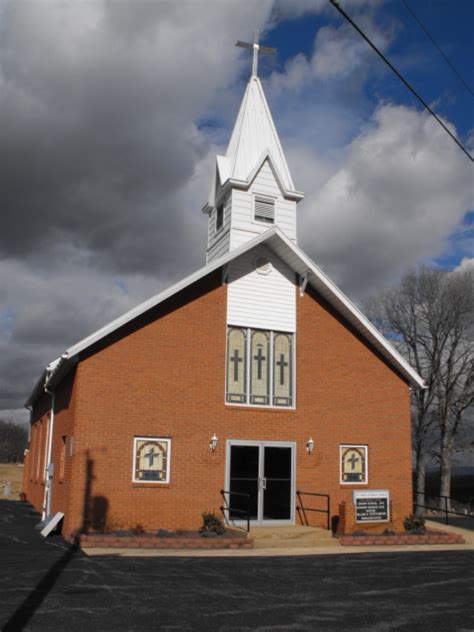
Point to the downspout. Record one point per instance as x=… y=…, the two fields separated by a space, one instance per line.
x=48 y=486
x=27 y=450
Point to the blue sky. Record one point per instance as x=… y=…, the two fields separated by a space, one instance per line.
x=411 y=52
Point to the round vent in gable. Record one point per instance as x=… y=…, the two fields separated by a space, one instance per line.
x=262 y=265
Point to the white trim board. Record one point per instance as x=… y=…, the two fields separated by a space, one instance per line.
x=52 y=524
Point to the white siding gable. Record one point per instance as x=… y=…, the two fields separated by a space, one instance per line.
x=265 y=301
x=219 y=241
x=244 y=226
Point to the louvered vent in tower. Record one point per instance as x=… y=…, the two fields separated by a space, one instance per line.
x=265 y=210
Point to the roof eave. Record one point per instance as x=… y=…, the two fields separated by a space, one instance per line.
x=343 y=305
x=37 y=391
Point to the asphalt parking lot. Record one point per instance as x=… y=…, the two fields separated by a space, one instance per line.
x=47 y=585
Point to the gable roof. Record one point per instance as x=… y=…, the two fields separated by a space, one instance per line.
x=254 y=136
x=289 y=254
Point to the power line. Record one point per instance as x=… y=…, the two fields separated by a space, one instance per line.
x=429 y=36
x=335 y=3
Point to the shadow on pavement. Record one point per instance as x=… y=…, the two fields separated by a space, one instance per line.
x=30 y=605
x=34 y=600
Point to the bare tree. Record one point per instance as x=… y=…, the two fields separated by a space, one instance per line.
x=13 y=441
x=455 y=381
x=428 y=317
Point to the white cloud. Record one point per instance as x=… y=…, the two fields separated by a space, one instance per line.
x=18 y=416
x=401 y=189
x=339 y=53
x=466 y=264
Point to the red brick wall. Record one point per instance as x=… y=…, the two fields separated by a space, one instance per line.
x=33 y=472
x=33 y=475
x=64 y=411
x=166 y=379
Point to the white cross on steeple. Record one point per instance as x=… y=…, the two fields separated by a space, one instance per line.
x=256 y=48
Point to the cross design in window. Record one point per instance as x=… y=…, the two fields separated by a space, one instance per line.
x=353 y=460
x=236 y=359
x=260 y=359
x=151 y=456
x=282 y=364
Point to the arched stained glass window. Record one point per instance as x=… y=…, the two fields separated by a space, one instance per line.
x=236 y=365
x=259 y=368
x=282 y=370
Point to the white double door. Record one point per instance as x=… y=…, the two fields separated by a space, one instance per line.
x=265 y=473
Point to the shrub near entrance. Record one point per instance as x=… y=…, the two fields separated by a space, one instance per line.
x=415 y=524
x=211 y=524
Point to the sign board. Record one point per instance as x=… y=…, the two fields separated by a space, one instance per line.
x=52 y=523
x=372 y=506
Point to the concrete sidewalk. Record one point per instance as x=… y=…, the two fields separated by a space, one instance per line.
x=322 y=549
x=467 y=534
x=108 y=552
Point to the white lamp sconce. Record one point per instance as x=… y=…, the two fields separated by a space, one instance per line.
x=310 y=445
x=213 y=443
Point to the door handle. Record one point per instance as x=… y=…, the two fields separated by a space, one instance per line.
x=263 y=483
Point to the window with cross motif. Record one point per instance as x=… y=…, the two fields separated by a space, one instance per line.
x=353 y=464
x=151 y=456
x=259 y=367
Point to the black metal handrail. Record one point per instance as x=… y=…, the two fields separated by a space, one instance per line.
x=225 y=507
x=445 y=510
x=305 y=509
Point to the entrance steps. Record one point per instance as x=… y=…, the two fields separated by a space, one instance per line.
x=291 y=536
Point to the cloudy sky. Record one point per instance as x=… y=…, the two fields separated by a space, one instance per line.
x=111 y=113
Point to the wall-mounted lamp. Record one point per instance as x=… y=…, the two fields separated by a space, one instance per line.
x=310 y=445
x=213 y=443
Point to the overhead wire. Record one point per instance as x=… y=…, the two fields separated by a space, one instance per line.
x=435 y=44
x=335 y=3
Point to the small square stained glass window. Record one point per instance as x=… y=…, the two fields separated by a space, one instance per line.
x=354 y=464
x=151 y=460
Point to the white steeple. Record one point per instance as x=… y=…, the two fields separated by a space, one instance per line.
x=252 y=187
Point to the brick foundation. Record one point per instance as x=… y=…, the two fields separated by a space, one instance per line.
x=155 y=542
x=431 y=537
x=347 y=520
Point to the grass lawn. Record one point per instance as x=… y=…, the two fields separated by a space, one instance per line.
x=14 y=473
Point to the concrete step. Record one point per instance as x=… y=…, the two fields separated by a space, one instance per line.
x=293 y=536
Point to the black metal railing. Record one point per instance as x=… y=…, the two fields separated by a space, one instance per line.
x=444 y=509
x=301 y=509
x=227 y=508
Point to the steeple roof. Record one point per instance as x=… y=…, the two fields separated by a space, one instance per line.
x=254 y=139
x=254 y=135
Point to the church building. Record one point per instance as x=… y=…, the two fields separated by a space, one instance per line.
x=252 y=385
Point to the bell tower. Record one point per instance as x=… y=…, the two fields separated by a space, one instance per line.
x=252 y=188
